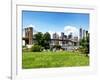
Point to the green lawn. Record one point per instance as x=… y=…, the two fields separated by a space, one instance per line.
x=53 y=59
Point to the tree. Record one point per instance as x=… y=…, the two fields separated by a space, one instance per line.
x=87 y=44
x=46 y=39
x=39 y=38
x=84 y=43
x=43 y=39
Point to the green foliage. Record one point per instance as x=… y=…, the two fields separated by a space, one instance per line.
x=84 y=43
x=53 y=59
x=23 y=46
x=46 y=39
x=46 y=36
x=25 y=49
x=43 y=39
x=36 y=48
x=57 y=46
x=39 y=38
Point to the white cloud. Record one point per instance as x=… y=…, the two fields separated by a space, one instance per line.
x=71 y=29
x=67 y=31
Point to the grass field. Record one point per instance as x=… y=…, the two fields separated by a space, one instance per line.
x=53 y=59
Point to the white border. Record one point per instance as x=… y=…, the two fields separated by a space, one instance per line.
x=18 y=73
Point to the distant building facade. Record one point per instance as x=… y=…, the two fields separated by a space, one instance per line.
x=55 y=39
x=66 y=42
x=87 y=33
x=83 y=33
x=80 y=33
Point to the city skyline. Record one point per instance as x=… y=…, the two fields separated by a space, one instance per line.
x=55 y=21
x=82 y=34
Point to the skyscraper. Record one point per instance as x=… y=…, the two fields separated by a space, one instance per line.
x=80 y=33
x=55 y=36
x=87 y=33
x=70 y=36
x=84 y=33
x=62 y=35
x=56 y=39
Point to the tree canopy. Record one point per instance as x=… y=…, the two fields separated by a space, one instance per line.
x=84 y=43
x=43 y=39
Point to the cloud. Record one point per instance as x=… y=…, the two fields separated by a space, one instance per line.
x=67 y=31
x=71 y=29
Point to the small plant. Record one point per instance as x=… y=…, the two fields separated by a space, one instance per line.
x=36 y=48
x=25 y=48
x=57 y=47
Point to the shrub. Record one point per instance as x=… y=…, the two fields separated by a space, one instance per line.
x=81 y=50
x=84 y=50
x=57 y=46
x=23 y=46
x=36 y=48
x=84 y=43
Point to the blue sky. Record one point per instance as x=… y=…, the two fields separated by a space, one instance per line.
x=54 y=21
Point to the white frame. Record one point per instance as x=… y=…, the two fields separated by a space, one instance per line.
x=71 y=73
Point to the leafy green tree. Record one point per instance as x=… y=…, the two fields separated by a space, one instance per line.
x=87 y=44
x=43 y=39
x=46 y=39
x=84 y=43
x=39 y=38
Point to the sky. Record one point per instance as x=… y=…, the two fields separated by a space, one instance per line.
x=55 y=21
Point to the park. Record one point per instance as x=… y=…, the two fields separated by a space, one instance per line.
x=55 y=39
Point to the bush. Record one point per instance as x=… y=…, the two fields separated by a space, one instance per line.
x=84 y=43
x=36 y=48
x=81 y=50
x=84 y=50
x=25 y=48
x=57 y=46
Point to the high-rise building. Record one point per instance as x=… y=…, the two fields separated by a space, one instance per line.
x=76 y=38
x=87 y=33
x=80 y=33
x=65 y=37
x=62 y=38
x=55 y=36
x=84 y=33
x=62 y=35
x=55 y=39
x=70 y=36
